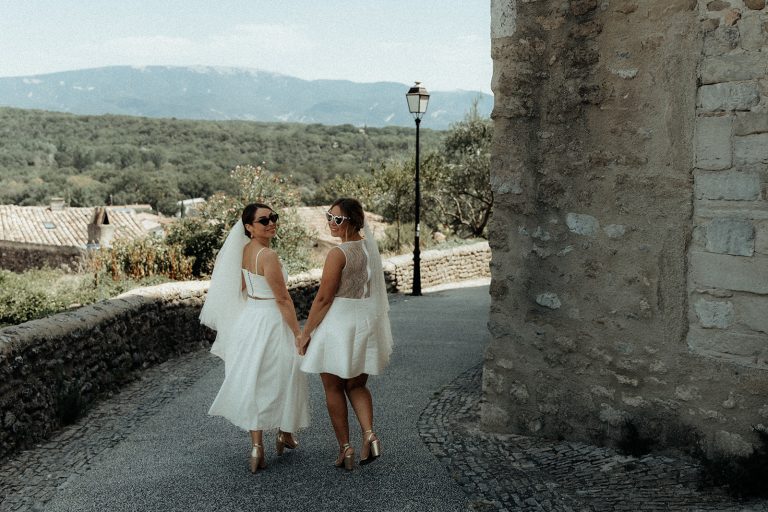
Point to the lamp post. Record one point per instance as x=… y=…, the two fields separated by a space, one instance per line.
x=417 y=98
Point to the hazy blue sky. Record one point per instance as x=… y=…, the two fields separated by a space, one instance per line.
x=443 y=43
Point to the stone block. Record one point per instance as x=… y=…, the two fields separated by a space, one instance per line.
x=615 y=230
x=729 y=272
x=582 y=224
x=731 y=236
x=549 y=300
x=509 y=184
x=611 y=416
x=751 y=149
x=728 y=96
x=712 y=143
x=730 y=68
x=749 y=123
x=503 y=18
x=729 y=186
x=728 y=443
x=755 y=5
x=761 y=237
x=721 y=40
x=714 y=314
x=493 y=417
x=753 y=34
x=752 y=312
x=743 y=349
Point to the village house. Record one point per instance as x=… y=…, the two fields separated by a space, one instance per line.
x=59 y=236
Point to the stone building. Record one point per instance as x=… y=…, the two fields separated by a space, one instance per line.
x=57 y=236
x=630 y=230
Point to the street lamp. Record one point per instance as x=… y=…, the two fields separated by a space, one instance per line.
x=418 y=98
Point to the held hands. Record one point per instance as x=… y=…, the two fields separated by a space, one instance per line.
x=302 y=341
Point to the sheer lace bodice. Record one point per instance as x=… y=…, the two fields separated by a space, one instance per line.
x=356 y=273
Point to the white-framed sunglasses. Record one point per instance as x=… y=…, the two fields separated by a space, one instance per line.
x=337 y=219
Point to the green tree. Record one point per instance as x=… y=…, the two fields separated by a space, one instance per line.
x=464 y=196
x=202 y=236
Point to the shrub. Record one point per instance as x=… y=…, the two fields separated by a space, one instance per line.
x=142 y=258
x=201 y=237
x=38 y=293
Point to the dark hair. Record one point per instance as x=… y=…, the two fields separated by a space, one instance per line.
x=353 y=209
x=249 y=214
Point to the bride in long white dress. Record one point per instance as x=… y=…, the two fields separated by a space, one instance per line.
x=249 y=305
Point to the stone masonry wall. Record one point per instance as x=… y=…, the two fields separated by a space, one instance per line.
x=20 y=257
x=728 y=272
x=52 y=369
x=601 y=129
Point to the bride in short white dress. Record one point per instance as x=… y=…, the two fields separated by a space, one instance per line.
x=347 y=335
x=263 y=386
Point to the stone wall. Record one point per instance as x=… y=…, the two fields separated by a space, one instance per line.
x=599 y=135
x=19 y=257
x=728 y=272
x=52 y=369
x=439 y=266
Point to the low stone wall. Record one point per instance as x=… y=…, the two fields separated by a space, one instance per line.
x=437 y=267
x=20 y=257
x=51 y=369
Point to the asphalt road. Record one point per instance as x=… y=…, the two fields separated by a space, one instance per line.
x=181 y=459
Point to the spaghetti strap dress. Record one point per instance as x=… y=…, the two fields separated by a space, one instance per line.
x=263 y=386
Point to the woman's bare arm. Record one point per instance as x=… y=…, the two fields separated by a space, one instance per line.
x=329 y=285
x=273 y=273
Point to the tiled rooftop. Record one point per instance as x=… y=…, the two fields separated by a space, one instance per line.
x=66 y=227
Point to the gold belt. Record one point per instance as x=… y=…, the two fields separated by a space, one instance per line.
x=260 y=298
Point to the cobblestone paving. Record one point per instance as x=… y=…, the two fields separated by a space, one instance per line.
x=509 y=472
x=32 y=477
x=498 y=472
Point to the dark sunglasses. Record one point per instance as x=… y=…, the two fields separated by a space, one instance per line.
x=337 y=219
x=264 y=221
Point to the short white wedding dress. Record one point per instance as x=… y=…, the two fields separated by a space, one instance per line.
x=354 y=336
x=263 y=386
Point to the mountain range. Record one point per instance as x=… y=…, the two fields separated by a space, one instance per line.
x=218 y=93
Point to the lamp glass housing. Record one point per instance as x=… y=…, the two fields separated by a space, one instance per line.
x=418 y=99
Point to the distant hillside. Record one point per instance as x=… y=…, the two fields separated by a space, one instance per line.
x=94 y=160
x=231 y=93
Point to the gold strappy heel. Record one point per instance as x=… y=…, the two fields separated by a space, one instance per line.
x=281 y=443
x=374 y=447
x=346 y=457
x=257 y=460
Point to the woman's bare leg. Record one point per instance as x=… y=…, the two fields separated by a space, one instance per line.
x=360 y=398
x=336 y=401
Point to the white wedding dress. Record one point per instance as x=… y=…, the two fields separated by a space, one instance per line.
x=263 y=386
x=354 y=336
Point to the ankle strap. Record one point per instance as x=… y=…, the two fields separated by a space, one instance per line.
x=257 y=445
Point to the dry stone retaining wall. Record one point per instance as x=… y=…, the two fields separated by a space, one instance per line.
x=629 y=177
x=52 y=369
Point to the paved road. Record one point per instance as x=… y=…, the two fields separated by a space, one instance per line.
x=172 y=456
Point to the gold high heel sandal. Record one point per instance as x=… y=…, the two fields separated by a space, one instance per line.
x=374 y=447
x=281 y=443
x=257 y=460
x=346 y=457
